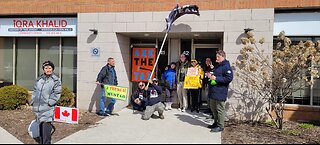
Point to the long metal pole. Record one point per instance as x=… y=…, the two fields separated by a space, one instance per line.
x=155 y=64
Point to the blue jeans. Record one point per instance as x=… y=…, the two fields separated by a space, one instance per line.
x=103 y=100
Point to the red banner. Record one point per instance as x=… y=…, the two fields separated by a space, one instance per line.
x=143 y=60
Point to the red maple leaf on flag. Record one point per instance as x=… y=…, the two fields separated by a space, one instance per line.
x=65 y=113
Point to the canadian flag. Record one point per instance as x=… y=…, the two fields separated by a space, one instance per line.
x=66 y=115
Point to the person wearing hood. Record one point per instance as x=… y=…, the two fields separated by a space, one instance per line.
x=46 y=93
x=195 y=93
x=170 y=82
x=218 y=91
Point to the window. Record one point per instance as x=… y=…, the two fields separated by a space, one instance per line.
x=29 y=55
x=304 y=96
x=69 y=65
x=26 y=62
x=49 y=50
x=6 y=61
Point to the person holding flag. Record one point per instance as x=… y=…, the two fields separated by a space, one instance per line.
x=174 y=15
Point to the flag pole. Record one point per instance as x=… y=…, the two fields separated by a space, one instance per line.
x=155 y=64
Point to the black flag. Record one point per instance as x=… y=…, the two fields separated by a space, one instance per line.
x=178 y=12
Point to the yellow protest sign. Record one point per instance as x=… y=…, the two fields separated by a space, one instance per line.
x=119 y=93
x=191 y=82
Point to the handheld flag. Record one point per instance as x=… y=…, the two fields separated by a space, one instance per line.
x=178 y=12
x=66 y=115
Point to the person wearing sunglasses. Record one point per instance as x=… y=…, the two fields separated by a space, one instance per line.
x=195 y=93
x=138 y=97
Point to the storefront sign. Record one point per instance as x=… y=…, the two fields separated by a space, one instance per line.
x=143 y=60
x=41 y=27
x=119 y=93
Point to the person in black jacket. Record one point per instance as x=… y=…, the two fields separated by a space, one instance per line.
x=218 y=93
x=152 y=100
x=138 y=96
x=107 y=76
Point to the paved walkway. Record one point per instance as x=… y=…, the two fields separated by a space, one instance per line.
x=177 y=127
x=7 y=138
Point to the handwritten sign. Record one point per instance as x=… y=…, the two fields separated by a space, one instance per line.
x=143 y=60
x=192 y=71
x=119 y=93
x=192 y=79
x=191 y=82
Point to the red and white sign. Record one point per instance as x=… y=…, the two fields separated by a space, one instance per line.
x=41 y=27
x=66 y=115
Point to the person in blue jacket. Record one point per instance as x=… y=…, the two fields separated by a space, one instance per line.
x=218 y=91
x=170 y=82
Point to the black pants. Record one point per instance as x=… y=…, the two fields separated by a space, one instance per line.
x=45 y=132
x=195 y=96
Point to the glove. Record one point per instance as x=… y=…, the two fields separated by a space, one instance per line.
x=213 y=82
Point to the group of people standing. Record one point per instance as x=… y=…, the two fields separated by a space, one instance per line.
x=146 y=98
x=215 y=80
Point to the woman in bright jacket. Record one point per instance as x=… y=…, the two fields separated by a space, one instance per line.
x=195 y=93
x=169 y=77
x=46 y=93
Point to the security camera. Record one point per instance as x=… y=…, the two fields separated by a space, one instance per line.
x=95 y=31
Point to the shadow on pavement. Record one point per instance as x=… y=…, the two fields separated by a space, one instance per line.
x=191 y=120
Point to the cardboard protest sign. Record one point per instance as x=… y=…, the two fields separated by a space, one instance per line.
x=143 y=60
x=119 y=93
x=66 y=115
x=192 y=79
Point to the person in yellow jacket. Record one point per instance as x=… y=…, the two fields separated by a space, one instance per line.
x=195 y=93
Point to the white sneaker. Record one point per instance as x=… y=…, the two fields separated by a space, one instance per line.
x=183 y=110
x=169 y=106
x=179 y=109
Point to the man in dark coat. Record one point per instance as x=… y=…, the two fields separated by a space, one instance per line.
x=218 y=93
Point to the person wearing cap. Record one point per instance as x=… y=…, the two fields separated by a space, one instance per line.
x=169 y=77
x=181 y=70
x=152 y=100
x=107 y=76
x=218 y=90
x=195 y=93
x=46 y=93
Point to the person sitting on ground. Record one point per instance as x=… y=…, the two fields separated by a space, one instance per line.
x=138 y=96
x=152 y=100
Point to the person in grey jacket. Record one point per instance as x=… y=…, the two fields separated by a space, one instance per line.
x=46 y=93
x=107 y=76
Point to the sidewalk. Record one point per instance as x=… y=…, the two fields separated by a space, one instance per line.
x=7 y=138
x=177 y=127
